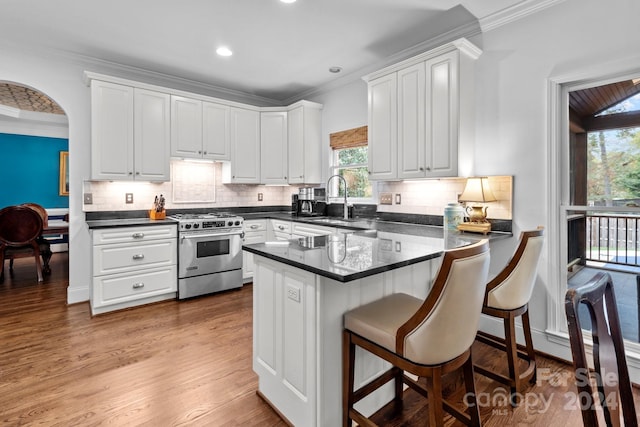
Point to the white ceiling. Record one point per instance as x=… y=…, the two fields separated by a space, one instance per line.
x=280 y=50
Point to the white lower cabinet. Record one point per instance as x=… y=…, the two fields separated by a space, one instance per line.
x=255 y=231
x=133 y=266
x=297 y=337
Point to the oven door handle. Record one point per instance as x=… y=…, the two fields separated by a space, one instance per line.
x=206 y=236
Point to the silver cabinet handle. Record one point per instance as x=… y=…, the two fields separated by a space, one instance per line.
x=137 y=235
x=428 y=169
x=421 y=168
x=199 y=152
x=254 y=226
x=139 y=285
x=138 y=256
x=130 y=173
x=204 y=152
x=137 y=173
x=281 y=227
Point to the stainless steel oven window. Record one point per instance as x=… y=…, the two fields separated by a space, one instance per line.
x=211 y=248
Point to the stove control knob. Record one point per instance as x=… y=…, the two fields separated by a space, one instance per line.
x=196 y=225
x=230 y=223
x=187 y=226
x=237 y=222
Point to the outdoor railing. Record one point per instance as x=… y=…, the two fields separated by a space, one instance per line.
x=613 y=238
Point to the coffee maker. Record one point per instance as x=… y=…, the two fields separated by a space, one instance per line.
x=310 y=201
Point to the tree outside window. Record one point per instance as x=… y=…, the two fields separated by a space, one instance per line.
x=352 y=165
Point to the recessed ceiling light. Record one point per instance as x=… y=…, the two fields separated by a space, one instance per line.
x=335 y=70
x=288 y=1
x=224 y=51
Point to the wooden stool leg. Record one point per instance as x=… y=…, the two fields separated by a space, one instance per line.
x=434 y=391
x=470 y=384
x=348 y=360
x=512 y=355
x=529 y=344
x=2 y=263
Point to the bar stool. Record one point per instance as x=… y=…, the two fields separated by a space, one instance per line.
x=425 y=338
x=507 y=296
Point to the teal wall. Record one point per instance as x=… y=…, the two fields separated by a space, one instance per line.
x=29 y=170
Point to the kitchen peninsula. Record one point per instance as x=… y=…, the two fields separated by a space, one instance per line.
x=303 y=286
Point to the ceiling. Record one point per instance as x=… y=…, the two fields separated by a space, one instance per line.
x=281 y=51
x=591 y=101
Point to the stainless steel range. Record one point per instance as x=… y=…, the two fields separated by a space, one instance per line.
x=209 y=253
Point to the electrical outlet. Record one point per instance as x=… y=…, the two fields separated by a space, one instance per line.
x=260 y=197
x=88 y=198
x=128 y=198
x=386 y=199
x=293 y=293
x=398 y=199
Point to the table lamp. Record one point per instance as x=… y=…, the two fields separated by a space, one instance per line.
x=477 y=190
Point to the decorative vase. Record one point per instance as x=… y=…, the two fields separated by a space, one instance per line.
x=453 y=215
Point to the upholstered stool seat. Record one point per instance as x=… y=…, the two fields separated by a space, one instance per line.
x=427 y=338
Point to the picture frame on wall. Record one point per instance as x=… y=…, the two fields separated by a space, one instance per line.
x=64 y=173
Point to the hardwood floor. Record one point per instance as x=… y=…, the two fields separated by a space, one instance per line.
x=181 y=363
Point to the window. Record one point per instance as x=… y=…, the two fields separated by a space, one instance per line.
x=350 y=162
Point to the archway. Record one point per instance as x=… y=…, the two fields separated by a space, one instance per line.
x=34 y=141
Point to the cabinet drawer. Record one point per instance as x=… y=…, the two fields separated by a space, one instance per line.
x=109 y=259
x=281 y=226
x=133 y=234
x=255 y=237
x=119 y=288
x=255 y=225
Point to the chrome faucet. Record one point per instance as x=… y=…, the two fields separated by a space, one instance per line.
x=346 y=208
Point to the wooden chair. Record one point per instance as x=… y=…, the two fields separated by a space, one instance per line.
x=612 y=374
x=507 y=297
x=427 y=338
x=45 y=246
x=20 y=227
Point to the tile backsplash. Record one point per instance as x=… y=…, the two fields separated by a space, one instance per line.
x=199 y=185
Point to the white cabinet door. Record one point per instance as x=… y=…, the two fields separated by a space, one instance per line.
x=186 y=127
x=305 y=145
x=151 y=127
x=411 y=122
x=383 y=133
x=442 y=115
x=273 y=147
x=111 y=131
x=244 y=167
x=215 y=131
x=247 y=257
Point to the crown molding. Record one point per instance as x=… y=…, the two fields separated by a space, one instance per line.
x=515 y=13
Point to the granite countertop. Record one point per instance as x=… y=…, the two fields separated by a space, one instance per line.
x=359 y=224
x=128 y=222
x=350 y=256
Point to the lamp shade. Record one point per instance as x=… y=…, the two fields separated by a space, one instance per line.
x=477 y=190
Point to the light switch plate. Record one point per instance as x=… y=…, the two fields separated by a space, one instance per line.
x=260 y=197
x=88 y=198
x=386 y=199
x=398 y=199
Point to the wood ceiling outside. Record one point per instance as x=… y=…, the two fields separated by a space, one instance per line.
x=589 y=102
x=23 y=98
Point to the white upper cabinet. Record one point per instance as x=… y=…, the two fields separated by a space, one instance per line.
x=383 y=128
x=273 y=147
x=199 y=129
x=305 y=143
x=215 y=131
x=421 y=117
x=186 y=127
x=244 y=167
x=111 y=131
x=129 y=133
